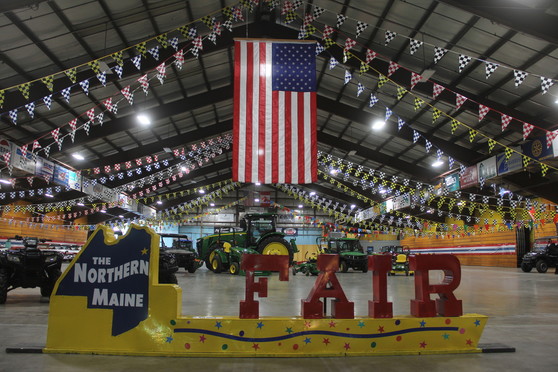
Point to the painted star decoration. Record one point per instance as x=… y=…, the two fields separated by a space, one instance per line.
x=203 y=338
x=423 y=344
x=260 y=325
x=218 y=325
x=307 y=340
x=332 y=324
x=361 y=324
x=169 y=339
x=347 y=346
x=326 y=341
x=144 y=251
x=289 y=330
x=422 y=324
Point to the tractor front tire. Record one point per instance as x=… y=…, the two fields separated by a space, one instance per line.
x=234 y=269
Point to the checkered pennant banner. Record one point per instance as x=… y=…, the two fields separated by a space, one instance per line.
x=208 y=21
x=13 y=116
x=31 y=109
x=317 y=12
x=373 y=100
x=85 y=86
x=71 y=74
x=340 y=20
x=2 y=97
x=435 y=114
x=328 y=30
x=36 y=145
x=193 y=32
x=184 y=31
x=198 y=45
x=228 y=24
x=86 y=127
x=118 y=58
x=370 y=55
x=91 y=113
x=162 y=39
x=389 y=112
x=415 y=78
x=527 y=129
x=174 y=42
x=508 y=153
x=48 y=81
x=179 y=59
x=154 y=52
x=463 y=61
x=332 y=63
x=48 y=100
x=227 y=12
x=439 y=53
x=544 y=169
x=144 y=83
x=454 y=125
x=414 y=45
x=137 y=61
x=490 y=67
x=450 y=162
x=483 y=110
x=400 y=123
x=73 y=127
x=382 y=80
x=392 y=68
x=505 y=121
x=400 y=92
x=95 y=66
x=550 y=136
x=348 y=77
x=363 y=68
x=328 y=42
x=162 y=72
x=142 y=48
x=319 y=48
x=428 y=145
x=55 y=133
x=519 y=77
x=361 y=26
x=525 y=160
x=66 y=94
x=459 y=100
x=100 y=118
x=546 y=83
x=349 y=43
x=390 y=35
x=491 y=144
x=108 y=103
x=347 y=56
x=102 y=76
x=129 y=95
x=472 y=135
x=119 y=70
x=24 y=89
x=416 y=136
x=360 y=89
x=7 y=156
x=436 y=90
x=418 y=103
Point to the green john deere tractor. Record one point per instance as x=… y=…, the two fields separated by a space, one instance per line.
x=351 y=255
x=258 y=234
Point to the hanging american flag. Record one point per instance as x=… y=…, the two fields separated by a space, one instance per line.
x=274 y=126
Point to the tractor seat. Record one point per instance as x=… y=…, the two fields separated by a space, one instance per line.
x=401 y=258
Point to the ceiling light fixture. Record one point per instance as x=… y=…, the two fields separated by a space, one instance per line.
x=80 y=204
x=143 y=119
x=202 y=191
x=378 y=124
x=159 y=202
x=78 y=156
x=300 y=206
x=7 y=182
x=437 y=163
x=49 y=195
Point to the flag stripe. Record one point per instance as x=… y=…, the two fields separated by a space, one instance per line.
x=236 y=117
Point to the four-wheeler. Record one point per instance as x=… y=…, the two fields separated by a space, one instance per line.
x=28 y=267
x=183 y=250
x=543 y=255
x=399 y=259
x=224 y=249
x=351 y=254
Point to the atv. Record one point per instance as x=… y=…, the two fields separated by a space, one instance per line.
x=543 y=255
x=183 y=251
x=28 y=267
x=167 y=268
x=351 y=254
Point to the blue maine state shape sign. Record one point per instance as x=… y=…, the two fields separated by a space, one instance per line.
x=113 y=276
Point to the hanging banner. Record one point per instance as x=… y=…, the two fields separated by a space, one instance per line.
x=469 y=178
x=487 y=168
x=401 y=201
x=452 y=182
x=66 y=177
x=44 y=168
x=21 y=162
x=537 y=149
x=514 y=163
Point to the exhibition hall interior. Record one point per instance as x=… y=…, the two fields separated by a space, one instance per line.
x=272 y=184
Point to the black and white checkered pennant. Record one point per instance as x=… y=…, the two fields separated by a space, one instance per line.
x=546 y=83
x=340 y=20
x=174 y=42
x=361 y=26
x=85 y=86
x=414 y=45
x=13 y=116
x=519 y=77
x=119 y=70
x=463 y=61
x=439 y=53
x=390 y=35
x=490 y=68
x=48 y=100
x=154 y=52
x=102 y=76
x=416 y=136
x=137 y=61
x=317 y=12
x=31 y=109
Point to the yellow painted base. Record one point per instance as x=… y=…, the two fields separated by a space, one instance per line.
x=75 y=328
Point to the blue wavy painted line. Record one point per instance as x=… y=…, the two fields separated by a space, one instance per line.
x=307 y=333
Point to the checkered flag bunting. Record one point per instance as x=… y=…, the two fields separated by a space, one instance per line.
x=400 y=123
x=142 y=48
x=454 y=125
x=525 y=160
x=85 y=86
x=73 y=127
x=519 y=77
x=24 y=89
x=48 y=100
x=198 y=45
x=390 y=35
x=349 y=43
x=228 y=24
x=508 y=153
x=436 y=90
x=527 y=129
x=483 y=110
x=459 y=100
x=491 y=144
x=418 y=103
x=361 y=26
x=100 y=118
x=108 y=103
x=328 y=30
x=137 y=61
x=360 y=89
x=36 y=145
x=13 y=116
x=340 y=20
x=428 y=145
x=546 y=83
x=144 y=82
x=332 y=63
x=544 y=169
x=174 y=42
x=450 y=162
x=388 y=114
x=179 y=59
x=162 y=39
x=490 y=67
x=317 y=12
x=550 y=136
x=472 y=135
x=400 y=92
x=463 y=61
x=392 y=68
x=161 y=72
x=31 y=109
x=95 y=66
x=48 y=81
x=102 y=76
x=415 y=78
x=193 y=32
x=118 y=58
x=382 y=80
x=439 y=53
x=505 y=121
x=66 y=94
x=414 y=45
x=319 y=48
x=348 y=77
x=373 y=100
x=416 y=136
x=91 y=113
x=154 y=52
x=370 y=55
x=435 y=114
x=71 y=74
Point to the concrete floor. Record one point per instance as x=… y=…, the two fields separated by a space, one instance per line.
x=523 y=311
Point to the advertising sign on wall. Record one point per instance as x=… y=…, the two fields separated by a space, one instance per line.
x=25 y=163
x=66 y=177
x=514 y=163
x=44 y=168
x=469 y=178
x=537 y=149
x=487 y=168
x=452 y=182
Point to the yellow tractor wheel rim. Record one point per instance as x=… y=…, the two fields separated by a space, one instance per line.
x=232 y=269
x=276 y=249
x=214 y=264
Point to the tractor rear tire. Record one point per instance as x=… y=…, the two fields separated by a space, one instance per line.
x=276 y=245
x=3 y=286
